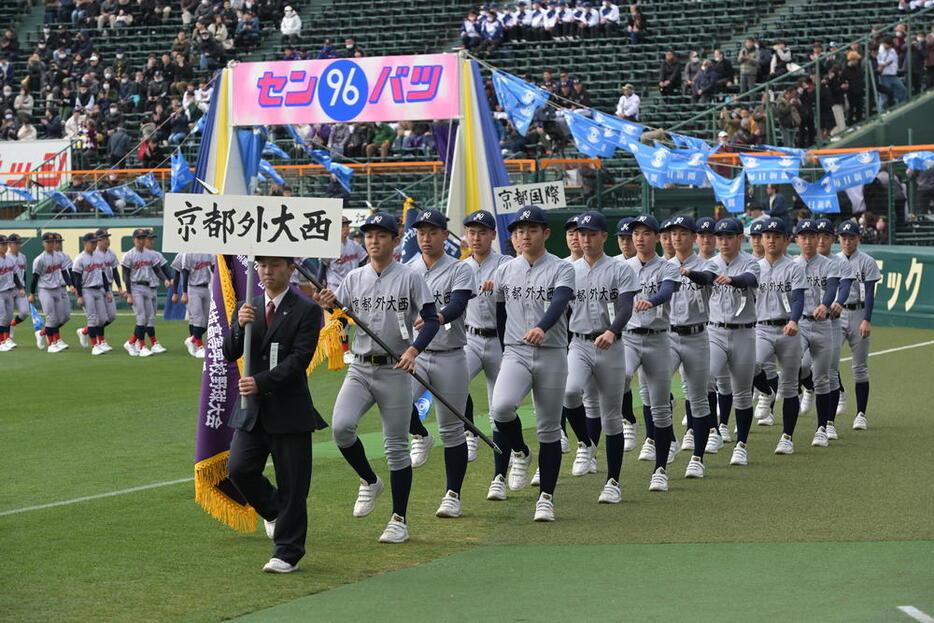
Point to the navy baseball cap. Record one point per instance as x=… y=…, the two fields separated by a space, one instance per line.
x=623 y=228
x=664 y=225
x=481 y=217
x=14 y=238
x=806 y=225
x=846 y=228
x=705 y=225
x=58 y=236
x=571 y=223
x=683 y=221
x=728 y=225
x=592 y=220
x=646 y=220
x=3 y=239
x=102 y=233
x=757 y=227
x=773 y=224
x=48 y=237
x=140 y=233
x=150 y=233
x=381 y=220
x=89 y=237
x=825 y=226
x=431 y=217
x=529 y=214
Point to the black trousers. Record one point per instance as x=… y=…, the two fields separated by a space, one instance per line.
x=291 y=457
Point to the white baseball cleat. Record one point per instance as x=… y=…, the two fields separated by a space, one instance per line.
x=611 y=493
x=450 y=505
x=544 y=508
x=61 y=344
x=145 y=352
x=860 y=423
x=714 y=442
x=582 y=459
x=97 y=350
x=4 y=347
x=647 y=453
x=366 y=497
x=519 y=470
x=820 y=437
x=688 y=442
x=740 y=456
x=157 y=349
x=841 y=405
x=270 y=527
x=473 y=444
x=725 y=433
x=695 y=468
x=768 y=420
x=56 y=347
x=832 y=431
x=764 y=406
x=107 y=347
x=684 y=420
x=190 y=346
x=421 y=445
x=659 y=480
x=200 y=352
x=83 y=338
x=396 y=531
x=807 y=401
x=10 y=343
x=536 y=478
x=131 y=349
x=565 y=443
x=785 y=445
x=497 y=490
x=630 y=430
x=40 y=341
x=276 y=565
x=673 y=451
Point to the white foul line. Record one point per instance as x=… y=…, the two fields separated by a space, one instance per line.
x=916 y=614
x=166 y=483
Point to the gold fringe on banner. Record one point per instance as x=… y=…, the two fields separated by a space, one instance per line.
x=208 y=474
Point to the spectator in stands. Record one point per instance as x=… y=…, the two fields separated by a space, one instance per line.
x=149 y=153
x=609 y=19
x=628 y=105
x=924 y=197
x=765 y=61
x=156 y=90
x=705 y=83
x=723 y=68
x=73 y=124
x=781 y=56
x=588 y=21
x=579 y=94
x=669 y=75
x=220 y=32
x=382 y=140
x=361 y=136
x=788 y=116
x=212 y=52
x=918 y=53
x=340 y=136
x=118 y=144
x=689 y=74
x=247 y=34
x=51 y=125
x=178 y=126
x=514 y=143
x=537 y=21
x=635 y=24
x=806 y=91
x=290 y=27
x=775 y=204
x=929 y=59
x=887 y=66
x=351 y=49
x=6 y=70
x=748 y=59
x=492 y=30
x=853 y=82
x=470 y=31
x=27 y=131
x=830 y=96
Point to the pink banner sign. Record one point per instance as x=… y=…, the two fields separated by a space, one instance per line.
x=380 y=88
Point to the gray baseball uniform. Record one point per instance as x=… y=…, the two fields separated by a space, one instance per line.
x=817 y=335
x=140 y=283
x=109 y=263
x=646 y=338
x=867 y=273
x=20 y=304
x=845 y=271
x=7 y=289
x=527 y=289
x=389 y=303
x=88 y=266
x=444 y=361
x=483 y=349
x=199 y=266
x=52 y=293
x=596 y=303
x=773 y=310
x=591 y=394
x=690 y=348
x=338 y=268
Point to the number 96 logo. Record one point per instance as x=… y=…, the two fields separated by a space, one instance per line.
x=343 y=90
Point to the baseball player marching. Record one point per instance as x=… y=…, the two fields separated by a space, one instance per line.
x=109 y=264
x=196 y=270
x=10 y=287
x=20 y=304
x=93 y=290
x=141 y=268
x=50 y=273
x=630 y=426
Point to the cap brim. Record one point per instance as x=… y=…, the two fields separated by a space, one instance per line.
x=368 y=227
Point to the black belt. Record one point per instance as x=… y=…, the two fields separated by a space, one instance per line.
x=197 y=285
x=727 y=325
x=643 y=331
x=443 y=350
x=778 y=322
x=482 y=332
x=859 y=305
x=91 y=287
x=376 y=360
x=813 y=319
x=142 y=283
x=687 y=329
x=590 y=337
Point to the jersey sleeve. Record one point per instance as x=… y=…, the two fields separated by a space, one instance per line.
x=419 y=292
x=670 y=272
x=752 y=266
x=565 y=275
x=464 y=279
x=871 y=269
x=179 y=261
x=127 y=261
x=499 y=277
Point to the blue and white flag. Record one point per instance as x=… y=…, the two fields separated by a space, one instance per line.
x=149 y=181
x=127 y=194
x=271 y=149
x=620 y=130
x=819 y=196
x=62 y=200
x=919 y=160
x=181 y=173
x=769 y=169
x=38 y=322
x=97 y=200
x=270 y=172
x=423 y=405
x=297 y=137
x=341 y=171
x=653 y=162
x=795 y=152
x=199 y=125
x=519 y=99
x=730 y=192
x=687 y=167
x=852 y=170
x=689 y=142
x=22 y=193
x=589 y=137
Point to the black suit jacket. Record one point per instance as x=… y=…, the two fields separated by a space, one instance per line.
x=283 y=403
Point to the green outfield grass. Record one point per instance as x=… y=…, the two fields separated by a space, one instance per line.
x=73 y=425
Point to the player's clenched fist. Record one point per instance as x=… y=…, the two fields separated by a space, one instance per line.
x=407 y=360
x=534 y=336
x=642 y=305
x=327 y=298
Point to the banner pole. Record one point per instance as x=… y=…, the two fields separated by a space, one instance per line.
x=248 y=329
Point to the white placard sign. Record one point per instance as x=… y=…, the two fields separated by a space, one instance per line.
x=357 y=216
x=546 y=195
x=252 y=225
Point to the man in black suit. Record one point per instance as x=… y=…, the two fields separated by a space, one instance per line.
x=280 y=416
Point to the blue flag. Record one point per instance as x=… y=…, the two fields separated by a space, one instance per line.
x=149 y=181
x=341 y=171
x=296 y=135
x=519 y=99
x=795 y=152
x=652 y=161
x=820 y=196
x=182 y=176
x=59 y=198
x=409 y=242
x=687 y=167
x=618 y=130
x=97 y=200
x=127 y=194
x=199 y=125
x=919 y=160
x=769 y=169
x=38 y=323
x=22 y=193
x=270 y=172
x=589 y=137
x=730 y=192
x=271 y=149
x=689 y=142
x=423 y=404
x=852 y=170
